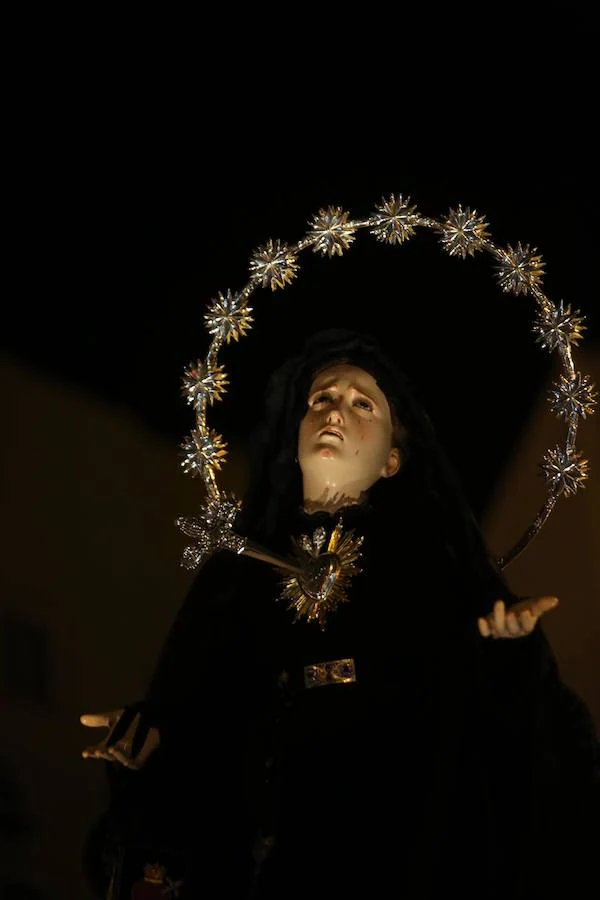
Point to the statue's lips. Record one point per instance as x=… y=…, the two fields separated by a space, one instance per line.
x=333 y=432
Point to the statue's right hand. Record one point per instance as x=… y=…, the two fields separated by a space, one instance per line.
x=129 y=741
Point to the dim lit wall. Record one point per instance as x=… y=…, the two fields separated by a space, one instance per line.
x=564 y=559
x=89 y=583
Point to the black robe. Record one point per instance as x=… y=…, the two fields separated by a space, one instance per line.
x=454 y=764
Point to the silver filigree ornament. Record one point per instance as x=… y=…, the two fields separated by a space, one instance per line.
x=274 y=265
x=565 y=471
x=228 y=317
x=463 y=232
x=520 y=269
x=395 y=220
x=313 y=545
x=212 y=530
x=573 y=397
x=559 y=328
x=318 y=539
x=331 y=231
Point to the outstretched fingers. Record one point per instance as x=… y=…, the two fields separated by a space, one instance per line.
x=100 y=720
x=484 y=627
x=543 y=605
x=517 y=621
x=499 y=620
x=527 y=620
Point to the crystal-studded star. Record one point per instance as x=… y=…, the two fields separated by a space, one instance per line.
x=463 y=232
x=559 y=328
x=211 y=529
x=331 y=232
x=395 y=220
x=274 y=265
x=228 y=317
x=520 y=269
x=573 y=397
x=201 y=382
x=564 y=470
x=203 y=452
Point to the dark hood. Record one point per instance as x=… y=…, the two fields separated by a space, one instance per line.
x=423 y=508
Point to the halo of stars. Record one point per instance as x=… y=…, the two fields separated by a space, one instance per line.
x=462 y=233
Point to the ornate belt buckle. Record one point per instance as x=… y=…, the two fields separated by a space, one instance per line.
x=334 y=671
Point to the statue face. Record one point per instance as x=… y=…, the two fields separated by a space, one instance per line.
x=345 y=437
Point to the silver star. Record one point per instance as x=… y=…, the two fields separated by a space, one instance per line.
x=520 y=270
x=564 y=471
x=203 y=452
x=228 y=317
x=395 y=220
x=274 y=265
x=202 y=382
x=332 y=232
x=559 y=328
x=574 y=397
x=463 y=232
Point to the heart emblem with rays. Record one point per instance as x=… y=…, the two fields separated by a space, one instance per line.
x=325 y=580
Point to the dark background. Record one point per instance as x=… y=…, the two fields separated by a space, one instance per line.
x=119 y=238
x=133 y=243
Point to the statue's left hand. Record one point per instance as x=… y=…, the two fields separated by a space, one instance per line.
x=126 y=729
x=516 y=621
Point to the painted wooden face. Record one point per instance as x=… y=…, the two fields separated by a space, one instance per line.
x=345 y=436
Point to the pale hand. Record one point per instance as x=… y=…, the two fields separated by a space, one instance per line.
x=121 y=750
x=516 y=621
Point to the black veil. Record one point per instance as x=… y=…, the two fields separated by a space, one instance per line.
x=424 y=503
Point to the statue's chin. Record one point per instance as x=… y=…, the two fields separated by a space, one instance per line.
x=331 y=501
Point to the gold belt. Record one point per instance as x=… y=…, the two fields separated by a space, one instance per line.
x=334 y=671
